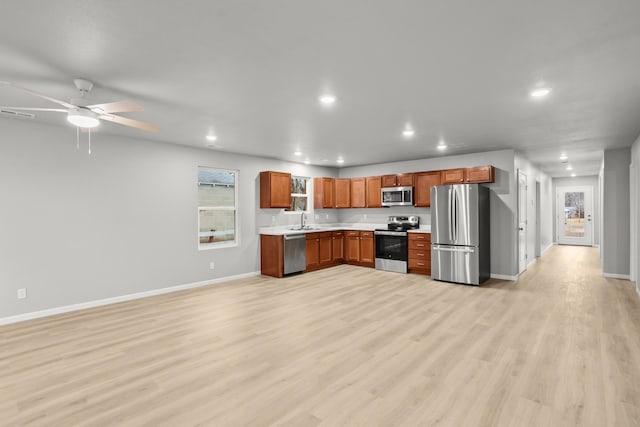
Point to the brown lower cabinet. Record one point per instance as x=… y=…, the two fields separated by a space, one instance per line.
x=420 y=253
x=337 y=244
x=272 y=255
x=320 y=248
x=329 y=248
x=359 y=248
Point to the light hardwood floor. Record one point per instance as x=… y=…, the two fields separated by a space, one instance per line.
x=344 y=346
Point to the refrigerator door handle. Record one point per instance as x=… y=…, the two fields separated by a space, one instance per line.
x=450 y=214
x=455 y=215
x=453 y=249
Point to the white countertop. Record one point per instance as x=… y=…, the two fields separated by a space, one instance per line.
x=316 y=228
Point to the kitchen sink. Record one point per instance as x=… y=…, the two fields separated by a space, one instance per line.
x=306 y=227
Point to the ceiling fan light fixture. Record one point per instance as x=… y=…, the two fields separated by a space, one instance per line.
x=82 y=118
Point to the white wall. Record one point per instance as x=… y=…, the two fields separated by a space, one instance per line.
x=77 y=228
x=503 y=200
x=615 y=239
x=546 y=213
x=592 y=181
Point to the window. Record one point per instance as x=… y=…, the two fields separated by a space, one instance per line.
x=299 y=196
x=217 y=208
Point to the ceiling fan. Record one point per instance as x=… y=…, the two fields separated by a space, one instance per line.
x=84 y=115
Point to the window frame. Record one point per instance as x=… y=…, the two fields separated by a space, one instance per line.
x=227 y=243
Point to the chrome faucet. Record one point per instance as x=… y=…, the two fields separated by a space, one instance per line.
x=302 y=220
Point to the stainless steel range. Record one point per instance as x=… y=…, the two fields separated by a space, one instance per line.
x=392 y=243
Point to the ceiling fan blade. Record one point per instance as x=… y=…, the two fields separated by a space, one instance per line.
x=48 y=98
x=129 y=122
x=33 y=109
x=115 y=107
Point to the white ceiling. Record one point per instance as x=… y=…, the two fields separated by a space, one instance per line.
x=251 y=72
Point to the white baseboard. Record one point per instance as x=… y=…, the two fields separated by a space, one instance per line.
x=533 y=261
x=122 y=298
x=638 y=288
x=504 y=277
x=596 y=246
x=617 y=276
x=549 y=246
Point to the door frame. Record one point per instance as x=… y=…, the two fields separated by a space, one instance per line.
x=538 y=225
x=559 y=221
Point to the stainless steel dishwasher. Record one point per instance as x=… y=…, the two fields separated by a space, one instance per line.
x=295 y=253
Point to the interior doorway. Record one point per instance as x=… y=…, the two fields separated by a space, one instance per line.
x=522 y=222
x=574 y=214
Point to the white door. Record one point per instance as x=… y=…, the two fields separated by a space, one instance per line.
x=574 y=216
x=522 y=222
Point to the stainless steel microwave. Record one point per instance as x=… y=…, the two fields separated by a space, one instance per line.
x=397 y=196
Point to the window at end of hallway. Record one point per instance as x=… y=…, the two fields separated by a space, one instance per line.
x=217 y=208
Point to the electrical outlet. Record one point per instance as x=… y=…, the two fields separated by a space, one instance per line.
x=364 y=216
x=22 y=293
x=326 y=216
x=212 y=265
x=317 y=217
x=273 y=219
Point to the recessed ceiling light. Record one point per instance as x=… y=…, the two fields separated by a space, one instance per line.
x=563 y=157
x=573 y=174
x=569 y=168
x=211 y=137
x=327 y=99
x=408 y=133
x=307 y=162
x=340 y=161
x=540 y=92
x=442 y=146
x=297 y=153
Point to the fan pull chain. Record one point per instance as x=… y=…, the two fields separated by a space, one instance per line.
x=77 y=138
x=89 y=140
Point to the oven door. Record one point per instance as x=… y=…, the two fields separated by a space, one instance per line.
x=391 y=245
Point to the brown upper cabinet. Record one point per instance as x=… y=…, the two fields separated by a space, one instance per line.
x=324 y=193
x=477 y=174
x=358 y=193
x=275 y=189
x=480 y=174
x=452 y=176
x=398 y=180
x=374 y=196
x=422 y=191
x=388 y=180
x=404 y=180
x=343 y=192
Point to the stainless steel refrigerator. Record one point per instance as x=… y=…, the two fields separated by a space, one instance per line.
x=460 y=225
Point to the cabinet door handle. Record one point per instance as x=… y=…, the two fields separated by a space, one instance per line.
x=421 y=263
x=420 y=245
